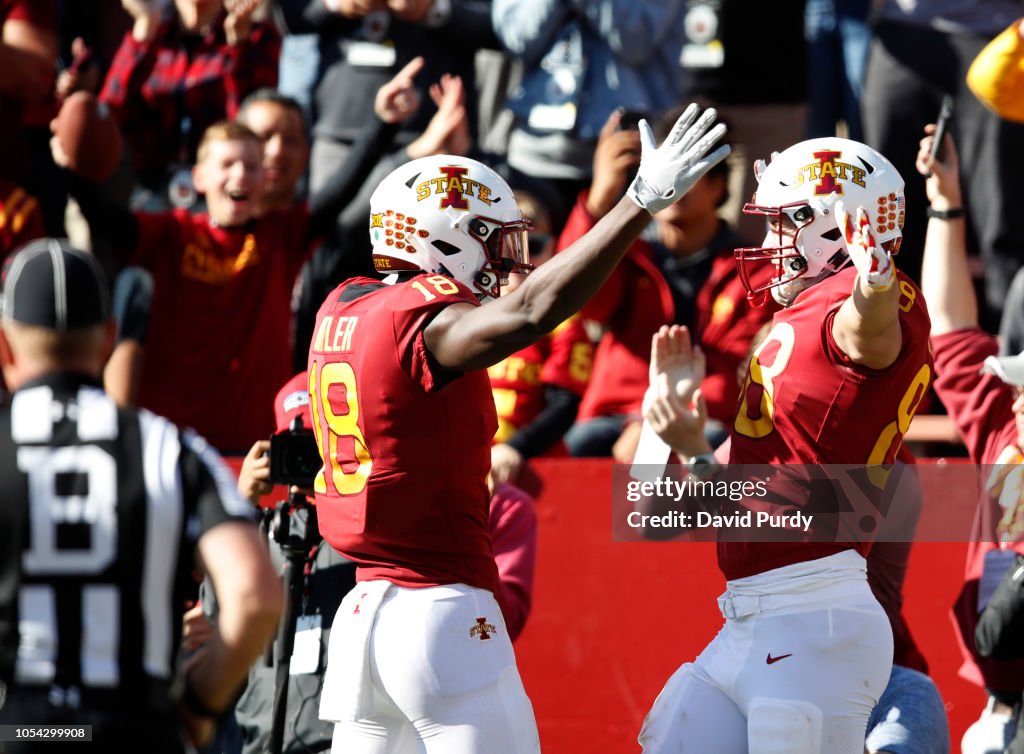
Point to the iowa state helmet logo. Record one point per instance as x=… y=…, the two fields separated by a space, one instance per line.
x=828 y=173
x=454 y=188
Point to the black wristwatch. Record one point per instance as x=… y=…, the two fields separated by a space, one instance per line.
x=703 y=466
x=945 y=214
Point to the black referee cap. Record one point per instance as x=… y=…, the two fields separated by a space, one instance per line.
x=49 y=283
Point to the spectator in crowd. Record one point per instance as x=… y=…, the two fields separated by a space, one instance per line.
x=408 y=355
x=986 y=411
x=681 y=270
x=223 y=281
x=724 y=64
x=280 y=124
x=221 y=293
x=94 y=589
x=330 y=576
x=180 y=69
x=844 y=304
x=364 y=43
x=838 y=39
x=582 y=59
x=537 y=390
x=920 y=52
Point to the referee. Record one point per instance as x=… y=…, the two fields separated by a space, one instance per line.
x=105 y=513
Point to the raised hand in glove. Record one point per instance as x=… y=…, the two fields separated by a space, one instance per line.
x=667 y=172
x=874 y=265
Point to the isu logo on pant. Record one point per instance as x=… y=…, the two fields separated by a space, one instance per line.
x=483 y=628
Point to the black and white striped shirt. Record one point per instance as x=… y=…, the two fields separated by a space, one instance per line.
x=100 y=512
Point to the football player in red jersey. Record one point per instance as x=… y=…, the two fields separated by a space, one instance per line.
x=420 y=658
x=806 y=649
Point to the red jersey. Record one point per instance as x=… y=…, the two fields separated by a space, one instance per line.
x=219 y=337
x=403 y=491
x=805 y=402
x=562 y=358
x=981 y=407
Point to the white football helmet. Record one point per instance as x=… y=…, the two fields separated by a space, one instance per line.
x=449 y=215
x=797 y=190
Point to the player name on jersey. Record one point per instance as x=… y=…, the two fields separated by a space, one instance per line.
x=335 y=334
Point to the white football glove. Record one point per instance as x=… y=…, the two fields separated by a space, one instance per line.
x=669 y=171
x=874 y=265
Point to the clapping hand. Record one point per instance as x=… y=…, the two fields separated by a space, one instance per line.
x=673 y=405
x=448 y=130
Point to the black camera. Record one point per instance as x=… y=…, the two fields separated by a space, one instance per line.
x=294 y=457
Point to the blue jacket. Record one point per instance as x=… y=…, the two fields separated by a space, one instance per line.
x=629 y=57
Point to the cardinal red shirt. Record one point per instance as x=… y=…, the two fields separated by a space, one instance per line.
x=405 y=443
x=562 y=358
x=981 y=407
x=805 y=402
x=219 y=335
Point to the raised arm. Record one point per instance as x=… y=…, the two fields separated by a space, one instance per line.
x=945 y=277
x=464 y=337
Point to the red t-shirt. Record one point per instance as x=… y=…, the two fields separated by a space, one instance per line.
x=219 y=343
x=805 y=402
x=403 y=492
x=562 y=358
